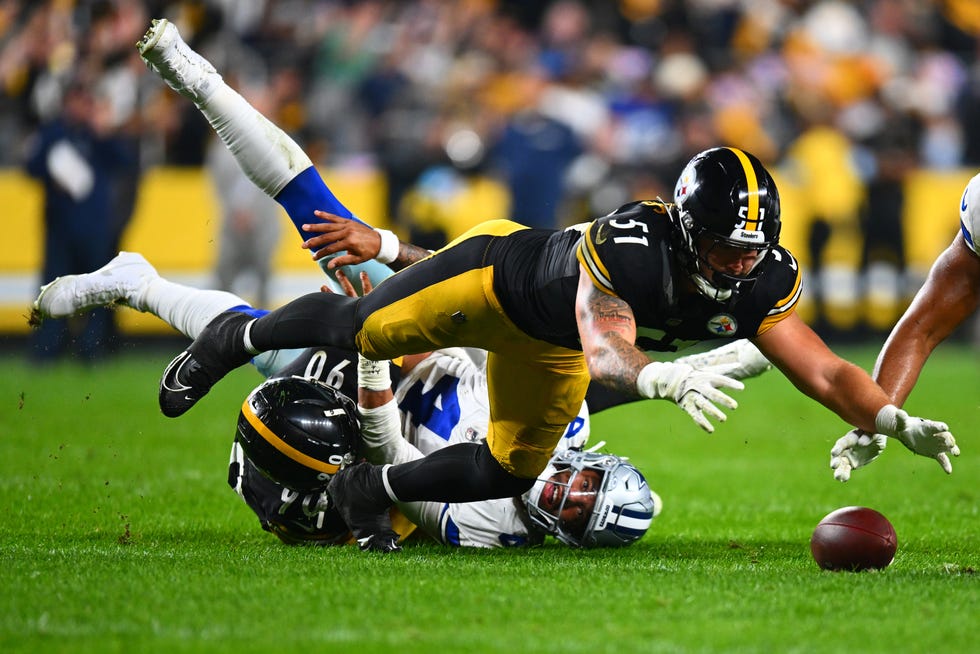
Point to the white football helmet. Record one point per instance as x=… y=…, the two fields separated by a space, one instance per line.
x=624 y=504
x=970 y=214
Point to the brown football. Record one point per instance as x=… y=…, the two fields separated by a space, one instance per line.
x=854 y=538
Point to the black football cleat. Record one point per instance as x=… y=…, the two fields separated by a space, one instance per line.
x=219 y=349
x=358 y=493
x=386 y=543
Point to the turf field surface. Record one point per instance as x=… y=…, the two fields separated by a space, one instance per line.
x=120 y=534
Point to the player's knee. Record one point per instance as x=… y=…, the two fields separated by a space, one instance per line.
x=495 y=474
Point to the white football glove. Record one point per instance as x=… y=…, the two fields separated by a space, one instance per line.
x=924 y=437
x=694 y=391
x=738 y=360
x=853 y=450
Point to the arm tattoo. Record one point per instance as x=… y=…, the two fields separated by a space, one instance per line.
x=623 y=363
x=617 y=362
x=407 y=255
x=607 y=309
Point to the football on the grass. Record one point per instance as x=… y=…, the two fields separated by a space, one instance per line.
x=854 y=538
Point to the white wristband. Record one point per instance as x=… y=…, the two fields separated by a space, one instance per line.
x=389 y=246
x=886 y=422
x=373 y=375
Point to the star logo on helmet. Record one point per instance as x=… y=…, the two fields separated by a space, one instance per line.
x=722 y=325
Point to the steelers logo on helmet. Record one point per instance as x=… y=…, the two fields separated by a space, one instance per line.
x=299 y=432
x=727 y=207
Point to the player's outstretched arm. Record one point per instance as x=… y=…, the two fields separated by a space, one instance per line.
x=950 y=295
x=849 y=391
x=607 y=329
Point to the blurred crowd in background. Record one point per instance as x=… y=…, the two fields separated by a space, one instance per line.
x=569 y=108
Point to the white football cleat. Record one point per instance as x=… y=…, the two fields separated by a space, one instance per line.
x=183 y=69
x=121 y=281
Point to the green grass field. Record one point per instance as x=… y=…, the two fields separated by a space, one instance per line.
x=120 y=534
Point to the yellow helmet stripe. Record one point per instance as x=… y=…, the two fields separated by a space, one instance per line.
x=752 y=219
x=284 y=447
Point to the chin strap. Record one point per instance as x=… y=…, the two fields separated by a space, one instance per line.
x=709 y=291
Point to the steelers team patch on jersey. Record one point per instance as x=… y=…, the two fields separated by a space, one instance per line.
x=722 y=324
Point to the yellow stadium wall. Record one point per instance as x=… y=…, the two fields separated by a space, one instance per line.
x=176 y=218
x=174 y=224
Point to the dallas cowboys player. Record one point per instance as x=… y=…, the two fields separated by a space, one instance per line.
x=950 y=295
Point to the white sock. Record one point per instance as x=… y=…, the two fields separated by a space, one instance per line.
x=267 y=155
x=186 y=309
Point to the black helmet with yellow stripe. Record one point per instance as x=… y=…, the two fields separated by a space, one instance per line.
x=725 y=197
x=299 y=432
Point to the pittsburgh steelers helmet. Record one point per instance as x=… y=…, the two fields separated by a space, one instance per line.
x=299 y=432
x=724 y=196
x=624 y=503
x=295 y=517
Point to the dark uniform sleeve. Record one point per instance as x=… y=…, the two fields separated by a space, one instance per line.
x=778 y=289
x=627 y=255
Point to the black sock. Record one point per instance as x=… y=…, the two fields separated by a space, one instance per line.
x=311 y=320
x=466 y=472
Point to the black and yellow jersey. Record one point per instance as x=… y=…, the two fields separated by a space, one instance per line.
x=628 y=254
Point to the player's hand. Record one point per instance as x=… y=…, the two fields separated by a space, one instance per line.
x=853 y=450
x=924 y=437
x=337 y=234
x=345 y=284
x=738 y=360
x=694 y=391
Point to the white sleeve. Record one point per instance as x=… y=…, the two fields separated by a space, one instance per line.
x=489 y=523
x=383 y=442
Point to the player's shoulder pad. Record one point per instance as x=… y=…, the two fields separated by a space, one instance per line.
x=634 y=224
x=970 y=214
x=779 y=287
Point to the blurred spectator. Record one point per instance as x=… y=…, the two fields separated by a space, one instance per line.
x=533 y=153
x=76 y=157
x=626 y=92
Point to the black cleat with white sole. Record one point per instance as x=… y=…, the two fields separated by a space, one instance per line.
x=356 y=492
x=219 y=349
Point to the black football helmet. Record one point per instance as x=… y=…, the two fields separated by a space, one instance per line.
x=299 y=432
x=724 y=196
x=295 y=517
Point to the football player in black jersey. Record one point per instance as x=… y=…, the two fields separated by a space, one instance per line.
x=553 y=308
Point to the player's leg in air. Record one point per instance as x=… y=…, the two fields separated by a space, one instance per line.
x=268 y=156
x=130 y=280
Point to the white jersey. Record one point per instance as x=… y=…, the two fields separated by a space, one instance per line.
x=443 y=401
x=970 y=215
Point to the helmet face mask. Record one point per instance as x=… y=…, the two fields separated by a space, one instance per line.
x=299 y=432
x=588 y=499
x=725 y=199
